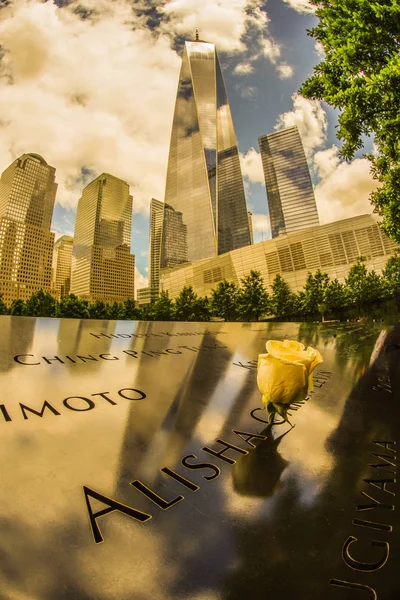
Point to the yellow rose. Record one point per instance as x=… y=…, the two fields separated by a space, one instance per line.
x=284 y=374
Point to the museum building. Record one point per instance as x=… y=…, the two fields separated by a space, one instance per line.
x=333 y=248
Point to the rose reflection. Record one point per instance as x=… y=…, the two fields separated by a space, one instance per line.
x=258 y=474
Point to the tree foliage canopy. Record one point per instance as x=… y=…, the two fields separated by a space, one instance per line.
x=360 y=76
x=223 y=300
x=253 y=297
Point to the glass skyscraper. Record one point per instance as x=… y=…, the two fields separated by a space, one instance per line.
x=290 y=192
x=61 y=269
x=27 y=196
x=204 y=189
x=156 y=223
x=102 y=266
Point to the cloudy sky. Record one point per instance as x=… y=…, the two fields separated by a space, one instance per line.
x=91 y=84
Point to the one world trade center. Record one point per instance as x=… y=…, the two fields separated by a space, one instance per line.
x=205 y=211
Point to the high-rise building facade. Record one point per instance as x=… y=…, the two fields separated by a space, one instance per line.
x=156 y=225
x=102 y=266
x=250 y=217
x=204 y=180
x=290 y=191
x=61 y=269
x=27 y=196
x=174 y=238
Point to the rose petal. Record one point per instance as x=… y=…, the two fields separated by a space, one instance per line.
x=317 y=361
x=293 y=345
x=280 y=382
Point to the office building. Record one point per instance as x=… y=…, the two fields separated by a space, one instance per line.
x=174 y=238
x=250 y=217
x=103 y=268
x=290 y=191
x=204 y=184
x=156 y=225
x=61 y=269
x=146 y=295
x=333 y=248
x=27 y=196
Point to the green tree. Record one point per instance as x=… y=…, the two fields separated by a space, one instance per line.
x=314 y=293
x=190 y=307
x=163 y=308
x=391 y=277
x=224 y=300
x=17 y=307
x=282 y=300
x=131 y=311
x=253 y=299
x=145 y=312
x=116 y=311
x=3 y=307
x=72 y=307
x=363 y=288
x=99 y=310
x=336 y=298
x=41 y=304
x=360 y=76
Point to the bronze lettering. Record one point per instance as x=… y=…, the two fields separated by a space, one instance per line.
x=375 y=504
x=142 y=395
x=185 y=482
x=103 y=356
x=90 y=403
x=17 y=359
x=112 y=505
x=388 y=462
x=50 y=360
x=358 y=586
x=357 y=565
x=381 y=484
x=132 y=353
x=227 y=446
x=248 y=436
x=161 y=503
x=256 y=418
x=373 y=525
x=5 y=413
x=85 y=358
x=35 y=412
x=203 y=465
x=385 y=445
x=103 y=395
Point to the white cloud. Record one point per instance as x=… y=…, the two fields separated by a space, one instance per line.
x=252 y=166
x=319 y=49
x=301 y=6
x=262 y=224
x=310 y=118
x=269 y=49
x=247 y=91
x=243 y=68
x=284 y=71
x=140 y=280
x=344 y=188
x=87 y=94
